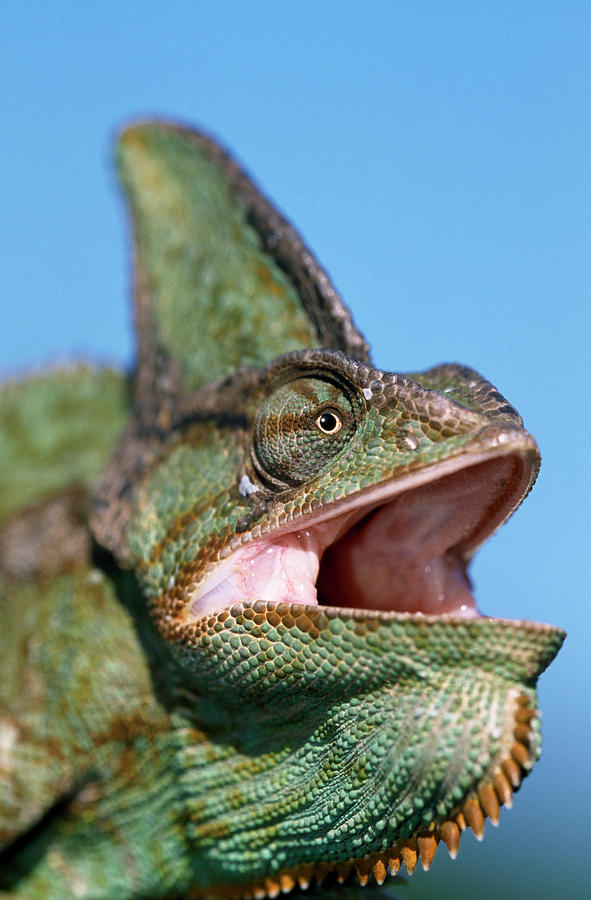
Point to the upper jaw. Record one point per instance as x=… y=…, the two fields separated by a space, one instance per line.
x=399 y=546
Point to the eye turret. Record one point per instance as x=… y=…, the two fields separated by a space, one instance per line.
x=299 y=428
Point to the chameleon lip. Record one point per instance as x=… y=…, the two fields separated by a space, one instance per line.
x=402 y=546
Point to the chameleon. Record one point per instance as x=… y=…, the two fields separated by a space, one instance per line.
x=240 y=648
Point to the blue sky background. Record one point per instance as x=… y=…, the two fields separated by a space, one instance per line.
x=436 y=158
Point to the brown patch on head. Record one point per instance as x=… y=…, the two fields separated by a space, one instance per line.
x=178 y=526
x=263 y=274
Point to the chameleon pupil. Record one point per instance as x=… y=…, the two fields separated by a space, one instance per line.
x=329 y=423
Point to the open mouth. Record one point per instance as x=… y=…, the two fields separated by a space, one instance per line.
x=401 y=547
x=398 y=549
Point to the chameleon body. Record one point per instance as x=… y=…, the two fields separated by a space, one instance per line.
x=239 y=646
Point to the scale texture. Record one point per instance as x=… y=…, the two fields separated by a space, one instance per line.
x=179 y=716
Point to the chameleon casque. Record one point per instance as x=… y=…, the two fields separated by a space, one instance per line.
x=239 y=645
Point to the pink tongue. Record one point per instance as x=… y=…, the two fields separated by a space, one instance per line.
x=406 y=555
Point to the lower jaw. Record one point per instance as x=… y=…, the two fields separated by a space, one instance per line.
x=497 y=720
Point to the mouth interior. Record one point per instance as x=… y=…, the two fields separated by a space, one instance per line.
x=411 y=554
x=406 y=552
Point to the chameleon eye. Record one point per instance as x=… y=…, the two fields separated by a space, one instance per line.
x=293 y=427
x=329 y=422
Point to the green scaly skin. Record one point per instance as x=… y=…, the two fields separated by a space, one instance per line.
x=173 y=721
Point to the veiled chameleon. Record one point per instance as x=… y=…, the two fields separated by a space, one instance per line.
x=261 y=662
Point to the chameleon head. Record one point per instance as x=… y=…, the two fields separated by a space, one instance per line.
x=355 y=708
